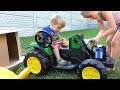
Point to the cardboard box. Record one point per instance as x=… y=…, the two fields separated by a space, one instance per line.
x=9 y=47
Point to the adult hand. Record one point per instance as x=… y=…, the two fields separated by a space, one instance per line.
x=97 y=39
x=94 y=40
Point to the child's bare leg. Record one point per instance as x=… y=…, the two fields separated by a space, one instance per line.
x=56 y=52
x=60 y=61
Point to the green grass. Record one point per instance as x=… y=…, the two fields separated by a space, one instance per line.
x=25 y=41
x=62 y=74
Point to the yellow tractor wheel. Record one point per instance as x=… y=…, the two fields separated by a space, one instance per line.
x=34 y=65
x=92 y=69
x=37 y=62
x=90 y=73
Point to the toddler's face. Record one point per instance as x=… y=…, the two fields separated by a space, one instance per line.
x=56 y=28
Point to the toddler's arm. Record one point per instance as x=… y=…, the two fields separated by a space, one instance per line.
x=59 y=36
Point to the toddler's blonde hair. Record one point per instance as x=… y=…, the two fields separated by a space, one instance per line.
x=58 y=20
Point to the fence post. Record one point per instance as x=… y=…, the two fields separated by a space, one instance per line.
x=71 y=21
x=34 y=21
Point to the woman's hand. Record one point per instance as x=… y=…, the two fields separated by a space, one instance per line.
x=94 y=40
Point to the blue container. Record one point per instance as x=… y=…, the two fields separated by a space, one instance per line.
x=99 y=53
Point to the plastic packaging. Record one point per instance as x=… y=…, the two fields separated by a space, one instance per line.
x=99 y=52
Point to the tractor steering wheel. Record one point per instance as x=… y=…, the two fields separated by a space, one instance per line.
x=44 y=39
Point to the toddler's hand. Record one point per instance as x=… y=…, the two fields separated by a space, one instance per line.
x=64 y=41
x=37 y=32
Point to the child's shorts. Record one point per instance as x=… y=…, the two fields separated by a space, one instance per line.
x=56 y=44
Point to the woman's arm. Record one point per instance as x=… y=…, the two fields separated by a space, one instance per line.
x=111 y=22
x=112 y=26
x=102 y=27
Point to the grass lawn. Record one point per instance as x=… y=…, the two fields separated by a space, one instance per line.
x=62 y=74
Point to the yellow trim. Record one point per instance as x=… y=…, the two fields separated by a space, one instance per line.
x=34 y=65
x=6 y=74
x=90 y=73
x=23 y=74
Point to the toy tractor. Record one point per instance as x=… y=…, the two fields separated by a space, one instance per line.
x=89 y=63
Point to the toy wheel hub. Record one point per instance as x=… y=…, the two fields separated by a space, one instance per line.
x=34 y=65
x=90 y=73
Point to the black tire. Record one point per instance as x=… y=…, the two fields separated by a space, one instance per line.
x=96 y=65
x=43 y=60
